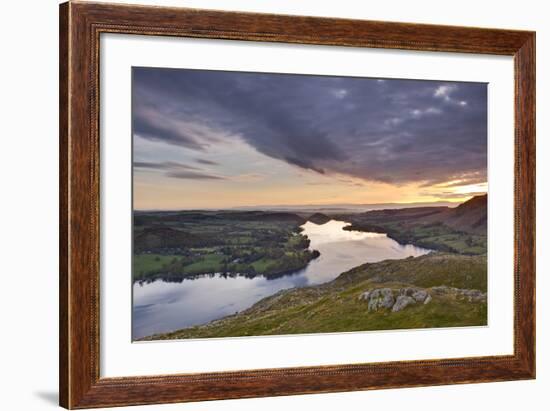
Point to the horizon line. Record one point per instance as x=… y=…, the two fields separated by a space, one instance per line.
x=306 y=205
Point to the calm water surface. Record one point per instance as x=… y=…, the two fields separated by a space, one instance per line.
x=160 y=306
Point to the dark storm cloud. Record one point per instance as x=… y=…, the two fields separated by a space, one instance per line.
x=394 y=131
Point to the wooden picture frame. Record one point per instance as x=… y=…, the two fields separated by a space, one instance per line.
x=80 y=27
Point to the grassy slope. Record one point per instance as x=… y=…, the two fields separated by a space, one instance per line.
x=335 y=306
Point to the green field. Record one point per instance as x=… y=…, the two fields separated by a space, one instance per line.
x=145 y=263
x=174 y=246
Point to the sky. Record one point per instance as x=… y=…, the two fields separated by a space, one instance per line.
x=219 y=139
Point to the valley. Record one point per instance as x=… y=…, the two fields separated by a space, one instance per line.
x=273 y=250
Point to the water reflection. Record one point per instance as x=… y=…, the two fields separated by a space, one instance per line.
x=162 y=306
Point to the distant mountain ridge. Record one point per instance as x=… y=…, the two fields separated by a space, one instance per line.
x=334 y=208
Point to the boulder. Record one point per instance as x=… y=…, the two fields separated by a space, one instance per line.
x=381 y=298
x=402 y=302
x=428 y=299
x=364 y=296
x=420 y=296
x=409 y=291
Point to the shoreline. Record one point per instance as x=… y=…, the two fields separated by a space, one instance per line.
x=387 y=273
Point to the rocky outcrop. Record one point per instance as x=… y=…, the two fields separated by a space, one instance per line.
x=402 y=301
x=396 y=300
x=418 y=294
x=381 y=298
x=399 y=299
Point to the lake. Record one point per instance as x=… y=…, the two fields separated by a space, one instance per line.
x=160 y=306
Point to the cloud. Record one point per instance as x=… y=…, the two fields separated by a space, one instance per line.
x=166 y=165
x=464 y=182
x=444 y=91
x=396 y=131
x=394 y=121
x=339 y=93
x=247 y=177
x=191 y=175
x=159 y=126
x=206 y=162
x=417 y=113
x=459 y=180
x=176 y=170
x=449 y=195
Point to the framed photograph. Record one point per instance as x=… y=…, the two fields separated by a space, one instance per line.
x=259 y=205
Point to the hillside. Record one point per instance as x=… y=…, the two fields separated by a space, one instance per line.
x=452 y=289
x=459 y=230
x=162 y=238
x=470 y=216
x=319 y=218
